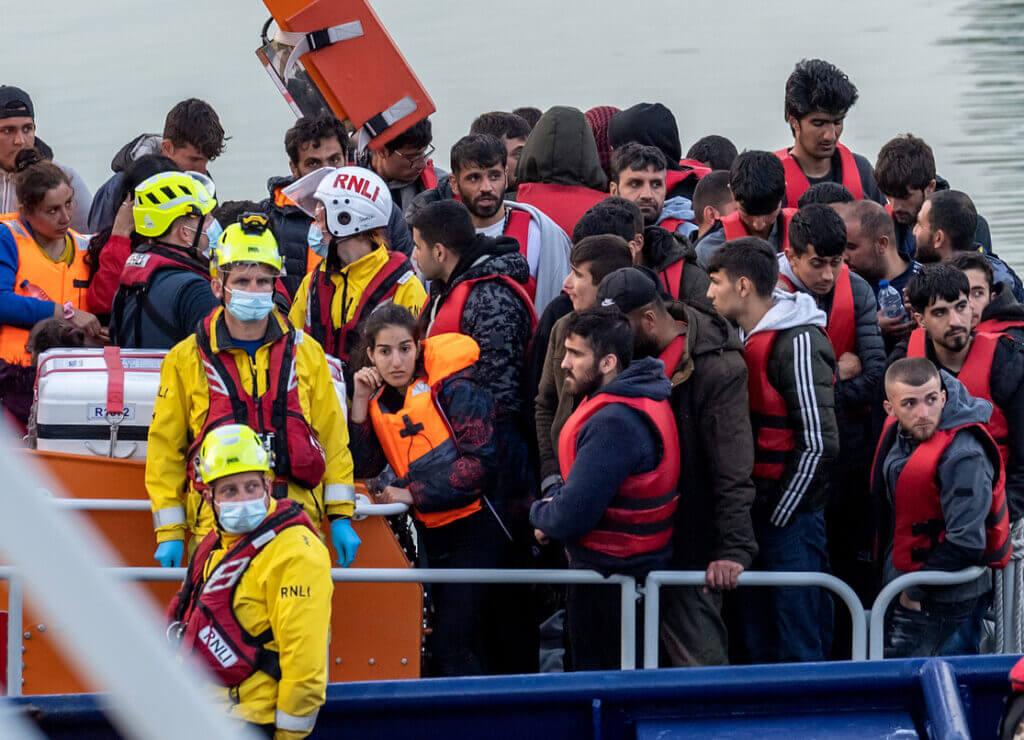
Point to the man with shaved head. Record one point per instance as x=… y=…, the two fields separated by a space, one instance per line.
x=939 y=483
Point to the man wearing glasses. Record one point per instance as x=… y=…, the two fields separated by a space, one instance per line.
x=404 y=163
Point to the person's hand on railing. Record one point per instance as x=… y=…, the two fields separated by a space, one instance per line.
x=394 y=495
x=169 y=553
x=540 y=537
x=907 y=603
x=723 y=574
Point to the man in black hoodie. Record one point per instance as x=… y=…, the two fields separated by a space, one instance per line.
x=478 y=289
x=615 y=510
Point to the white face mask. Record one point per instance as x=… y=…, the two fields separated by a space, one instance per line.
x=239 y=517
x=246 y=306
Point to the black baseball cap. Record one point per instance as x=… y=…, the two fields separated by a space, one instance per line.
x=628 y=288
x=15 y=103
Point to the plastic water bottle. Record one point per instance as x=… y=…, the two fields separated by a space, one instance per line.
x=890 y=301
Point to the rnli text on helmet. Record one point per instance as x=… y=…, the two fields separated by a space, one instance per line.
x=359 y=185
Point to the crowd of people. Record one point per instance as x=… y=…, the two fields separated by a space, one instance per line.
x=577 y=348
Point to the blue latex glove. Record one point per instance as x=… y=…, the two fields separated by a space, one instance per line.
x=169 y=553
x=346 y=541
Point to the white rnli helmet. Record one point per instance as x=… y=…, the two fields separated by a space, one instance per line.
x=357 y=200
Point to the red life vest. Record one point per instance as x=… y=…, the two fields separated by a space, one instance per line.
x=976 y=375
x=692 y=169
x=339 y=341
x=204 y=606
x=563 y=204
x=998 y=326
x=448 y=317
x=769 y=416
x=639 y=518
x=673 y=354
x=797 y=182
x=842 y=317
x=428 y=176
x=672 y=278
x=917 y=506
x=517 y=226
x=734 y=228
x=1017 y=676
x=276 y=415
x=140 y=269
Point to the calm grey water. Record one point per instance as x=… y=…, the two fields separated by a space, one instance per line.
x=949 y=71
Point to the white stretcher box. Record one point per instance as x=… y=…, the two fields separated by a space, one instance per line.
x=96 y=401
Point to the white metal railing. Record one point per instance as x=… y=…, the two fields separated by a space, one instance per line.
x=876 y=642
x=659 y=578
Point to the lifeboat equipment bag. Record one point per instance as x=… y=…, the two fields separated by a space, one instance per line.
x=336 y=56
x=96 y=401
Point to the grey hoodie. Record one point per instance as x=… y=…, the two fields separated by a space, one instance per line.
x=801 y=367
x=964 y=475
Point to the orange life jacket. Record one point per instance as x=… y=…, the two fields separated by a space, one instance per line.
x=797 y=182
x=639 y=518
x=40 y=277
x=563 y=204
x=417 y=439
x=842 y=317
x=917 y=506
x=976 y=375
x=735 y=228
x=769 y=416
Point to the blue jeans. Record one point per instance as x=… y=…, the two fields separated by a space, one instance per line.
x=788 y=623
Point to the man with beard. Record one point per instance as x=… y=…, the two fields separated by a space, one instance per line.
x=990 y=366
x=511 y=129
x=818 y=97
x=615 y=511
x=938 y=482
x=703 y=359
x=905 y=172
x=790 y=370
x=872 y=253
x=479 y=289
x=479 y=180
x=946 y=224
x=639 y=176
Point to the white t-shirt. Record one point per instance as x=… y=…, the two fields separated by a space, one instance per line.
x=533 y=241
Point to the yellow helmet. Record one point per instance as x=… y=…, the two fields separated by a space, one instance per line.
x=249 y=241
x=230 y=449
x=166 y=196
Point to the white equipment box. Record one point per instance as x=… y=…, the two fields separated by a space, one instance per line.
x=96 y=401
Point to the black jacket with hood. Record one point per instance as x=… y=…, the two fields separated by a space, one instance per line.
x=1004 y=307
x=561 y=151
x=661 y=250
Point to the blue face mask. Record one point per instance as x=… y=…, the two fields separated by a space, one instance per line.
x=213 y=232
x=315 y=239
x=239 y=517
x=246 y=306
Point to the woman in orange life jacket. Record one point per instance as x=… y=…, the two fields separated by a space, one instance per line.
x=417 y=408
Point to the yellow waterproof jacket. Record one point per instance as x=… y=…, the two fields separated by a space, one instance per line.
x=180 y=413
x=349 y=285
x=286 y=588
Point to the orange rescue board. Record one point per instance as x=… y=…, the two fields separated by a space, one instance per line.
x=377 y=629
x=359 y=78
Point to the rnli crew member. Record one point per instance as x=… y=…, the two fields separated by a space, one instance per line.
x=42 y=262
x=593 y=258
x=478 y=180
x=246 y=364
x=404 y=163
x=990 y=365
x=255 y=607
x=872 y=253
x=615 y=511
x=994 y=308
x=417 y=408
x=703 y=360
x=165 y=283
x=479 y=289
x=758 y=183
x=946 y=225
x=359 y=272
x=818 y=97
x=311 y=143
x=905 y=172
x=813 y=264
x=790 y=367
x=640 y=176
x=939 y=480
